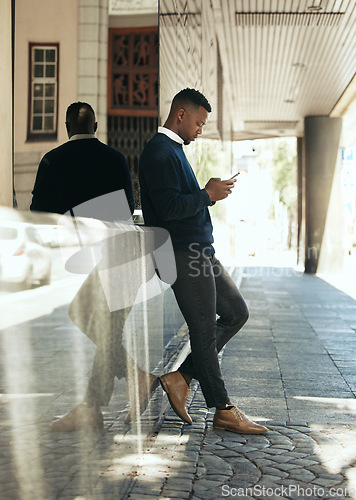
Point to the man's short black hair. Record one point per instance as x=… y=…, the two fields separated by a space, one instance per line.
x=74 y=109
x=192 y=96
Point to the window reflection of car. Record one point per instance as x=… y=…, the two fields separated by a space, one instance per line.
x=48 y=235
x=24 y=259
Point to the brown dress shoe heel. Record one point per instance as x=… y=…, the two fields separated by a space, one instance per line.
x=80 y=417
x=233 y=420
x=177 y=389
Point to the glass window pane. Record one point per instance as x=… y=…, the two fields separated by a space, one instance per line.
x=37 y=106
x=38 y=90
x=48 y=123
x=49 y=90
x=49 y=106
x=44 y=105
x=50 y=55
x=38 y=70
x=39 y=55
x=50 y=70
x=37 y=123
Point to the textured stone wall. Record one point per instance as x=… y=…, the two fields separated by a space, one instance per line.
x=92 y=58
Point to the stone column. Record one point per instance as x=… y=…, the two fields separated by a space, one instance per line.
x=6 y=183
x=93 y=22
x=323 y=206
x=301 y=202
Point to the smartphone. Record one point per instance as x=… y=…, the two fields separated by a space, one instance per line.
x=233 y=177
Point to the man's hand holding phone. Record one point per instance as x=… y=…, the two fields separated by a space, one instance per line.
x=218 y=189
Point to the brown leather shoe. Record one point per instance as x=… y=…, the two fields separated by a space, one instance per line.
x=177 y=391
x=232 y=419
x=146 y=385
x=80 y=417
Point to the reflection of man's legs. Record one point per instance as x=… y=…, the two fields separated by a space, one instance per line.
x=98 y=309
x=112 y=360
x=109 y=360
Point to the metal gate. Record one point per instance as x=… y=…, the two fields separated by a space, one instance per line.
x=129 y=134
x=132 y=93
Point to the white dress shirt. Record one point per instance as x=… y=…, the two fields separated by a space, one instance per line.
x=172 y=135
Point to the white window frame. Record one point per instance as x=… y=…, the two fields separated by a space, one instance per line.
x=43 y=132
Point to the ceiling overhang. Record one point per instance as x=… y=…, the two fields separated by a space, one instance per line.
x=278 y=61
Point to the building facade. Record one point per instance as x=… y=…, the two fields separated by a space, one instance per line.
x=101 y=52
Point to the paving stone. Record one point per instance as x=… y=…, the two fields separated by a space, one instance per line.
x=205 y=493
x=182 y=468
x=200 y=471
x=255 y=455
x=219 y=477
x=337 y=478
x=245 y=448
x=177 y=475
x=304 y=462
x=325 y=482
x=264 y=462
x=302 y=475
x=181 y=495
x=212 y=439
x=274 y=472
x=241 y=483
x=286 y=467
x=213 y=447
x=226 y=453
x=269 y=480
x=282 y=459
x=318 y=470
x=274 y=451
x=214 y=463
x=285 y=447
x=175 y=485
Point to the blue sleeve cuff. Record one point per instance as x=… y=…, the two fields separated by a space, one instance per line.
x=208 y=200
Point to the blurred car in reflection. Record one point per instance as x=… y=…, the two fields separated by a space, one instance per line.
x=24 y=259
x=48 y=235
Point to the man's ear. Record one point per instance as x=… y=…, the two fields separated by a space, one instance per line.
x=180 y=114
x=95 y=126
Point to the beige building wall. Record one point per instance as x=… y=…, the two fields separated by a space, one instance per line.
x=93 y=20
x=41 y=21
x=5 y=104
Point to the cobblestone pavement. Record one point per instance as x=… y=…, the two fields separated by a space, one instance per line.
x=292 y=367
x=293 y=460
